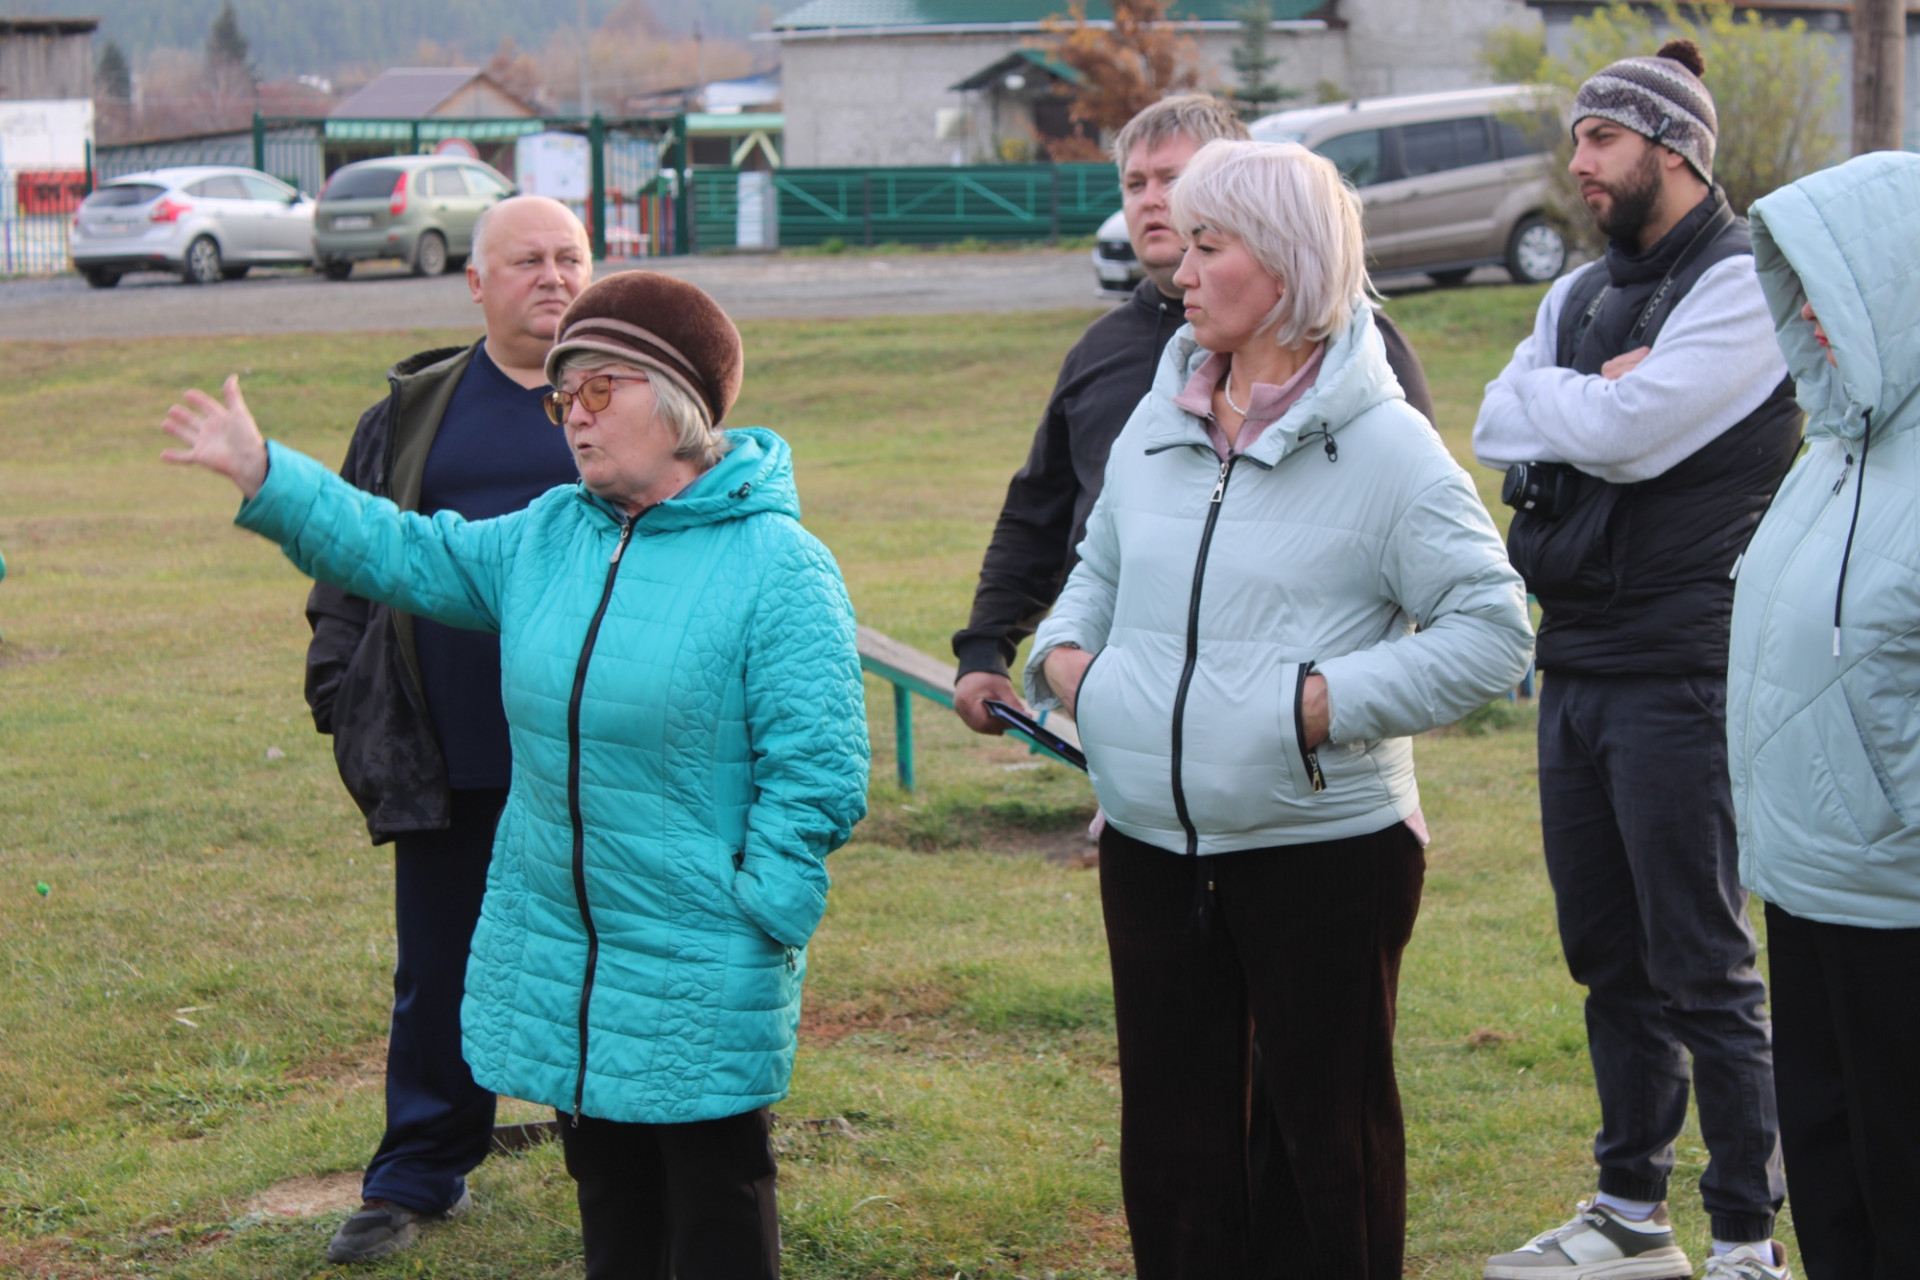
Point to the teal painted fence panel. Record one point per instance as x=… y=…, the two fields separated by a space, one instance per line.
x=915 y=206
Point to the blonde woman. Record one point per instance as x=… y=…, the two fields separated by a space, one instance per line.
x=1285 y=578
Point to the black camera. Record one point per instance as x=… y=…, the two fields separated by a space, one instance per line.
x=1544 y=488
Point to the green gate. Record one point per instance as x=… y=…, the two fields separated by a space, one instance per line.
x=913 y=206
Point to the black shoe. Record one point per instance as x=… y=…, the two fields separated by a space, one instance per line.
x=381 y=1227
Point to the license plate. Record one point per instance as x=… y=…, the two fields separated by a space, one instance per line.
x=353 y=222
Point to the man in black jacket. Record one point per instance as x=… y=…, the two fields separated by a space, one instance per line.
x=1108 y=372
x=414 y=707
x=1647 y=422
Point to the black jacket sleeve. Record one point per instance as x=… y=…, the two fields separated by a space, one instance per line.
x=1405 y=364
x=339 y=620
x=1026 y=561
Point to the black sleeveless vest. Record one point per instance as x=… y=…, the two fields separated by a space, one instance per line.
x=1635 y=579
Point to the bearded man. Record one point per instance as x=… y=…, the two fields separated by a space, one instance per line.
x=1644 y=427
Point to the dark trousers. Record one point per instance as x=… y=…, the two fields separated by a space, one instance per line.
x=1846 y=1023
x=1636 y=816
x=676 y=1201
x=439 y=1122
x=1305 y=946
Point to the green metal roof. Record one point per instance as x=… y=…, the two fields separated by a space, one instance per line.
x=707 y=123
x=817 y=14
x=1017 y=59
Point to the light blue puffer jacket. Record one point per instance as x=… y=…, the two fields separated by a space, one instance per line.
x=1344 y=528
x=641 y=946
x=1824 y=745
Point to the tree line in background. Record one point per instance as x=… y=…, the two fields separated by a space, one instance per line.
x=219 y=77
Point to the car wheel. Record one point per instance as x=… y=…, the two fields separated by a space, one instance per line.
x=1536 y=252
x=429 y=254
x=203 y=262
x=1450 y=279
x=337 y=268
x=100 y=277
x=234 y=273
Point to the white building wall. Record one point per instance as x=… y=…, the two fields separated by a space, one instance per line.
x=860 y=100
x=1423 y=46
x=873 y=100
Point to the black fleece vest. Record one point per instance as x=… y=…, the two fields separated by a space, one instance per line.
x=1635 y=579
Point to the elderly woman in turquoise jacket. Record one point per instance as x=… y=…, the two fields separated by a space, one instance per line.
x=1823 y=714
x=689 y=742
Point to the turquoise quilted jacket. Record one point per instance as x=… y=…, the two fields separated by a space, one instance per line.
x=689 y=743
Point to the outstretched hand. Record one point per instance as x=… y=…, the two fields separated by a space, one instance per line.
x=220 y=437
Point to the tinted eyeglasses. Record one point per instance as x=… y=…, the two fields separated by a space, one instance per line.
x=595 y=394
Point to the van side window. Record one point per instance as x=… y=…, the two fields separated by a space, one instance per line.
x=1439 y=145
x=1525 y=135
x=1355 y=155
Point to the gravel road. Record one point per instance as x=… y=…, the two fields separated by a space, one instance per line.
x=379 y=297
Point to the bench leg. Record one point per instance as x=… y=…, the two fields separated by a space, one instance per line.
x=903 y=735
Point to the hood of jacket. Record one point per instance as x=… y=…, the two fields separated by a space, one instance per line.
x=756 y=475
x=1354 y=377
x=1842 y=239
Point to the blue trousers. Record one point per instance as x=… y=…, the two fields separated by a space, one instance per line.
x=1637 y=819
x=439 y=1122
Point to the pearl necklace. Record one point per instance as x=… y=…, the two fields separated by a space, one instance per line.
x=1226 y=389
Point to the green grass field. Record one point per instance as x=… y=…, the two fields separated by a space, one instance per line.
x=194 y=1012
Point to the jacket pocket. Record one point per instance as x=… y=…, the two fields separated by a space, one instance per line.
x=1303 y=762
x=1080 y=695
x=1853 y=782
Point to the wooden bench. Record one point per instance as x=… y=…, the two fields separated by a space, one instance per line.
x=910 y=671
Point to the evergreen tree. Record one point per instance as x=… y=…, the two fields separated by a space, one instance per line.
x=226 y=46
x=1253 y=61
x=112 y=77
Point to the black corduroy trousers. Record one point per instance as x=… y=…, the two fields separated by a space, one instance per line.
x=676 y=1201
x=1305 y=945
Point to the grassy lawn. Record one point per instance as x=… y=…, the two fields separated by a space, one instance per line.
x=193 y=1014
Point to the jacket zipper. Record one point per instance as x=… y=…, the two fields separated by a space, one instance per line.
x=1193 y=657
x=573 y=810
x=1307 y=754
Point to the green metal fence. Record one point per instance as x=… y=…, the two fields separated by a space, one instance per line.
x=912 y=206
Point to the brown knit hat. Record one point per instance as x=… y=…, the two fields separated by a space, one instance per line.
x=659 y=323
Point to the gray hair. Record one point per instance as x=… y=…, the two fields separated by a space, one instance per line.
x=1199 y=116
x=1298 y=219
x=477 y=250
x=674 y=403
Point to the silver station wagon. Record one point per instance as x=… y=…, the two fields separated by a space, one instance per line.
x=418 y=209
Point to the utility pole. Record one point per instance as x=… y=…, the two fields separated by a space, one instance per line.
x=586 y=84
x=1879 y=74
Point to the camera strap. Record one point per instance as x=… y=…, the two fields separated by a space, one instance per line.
x=1657 y=302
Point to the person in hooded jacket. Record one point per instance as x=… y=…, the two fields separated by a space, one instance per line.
x=689 y=743
x=1822 y=708
x=1286 y=576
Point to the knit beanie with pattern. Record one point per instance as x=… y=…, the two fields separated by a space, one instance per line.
x=1659 y=98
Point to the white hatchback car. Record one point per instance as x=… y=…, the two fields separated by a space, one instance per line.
x=207 y=223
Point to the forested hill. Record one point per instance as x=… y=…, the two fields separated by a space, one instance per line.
x=295 y=37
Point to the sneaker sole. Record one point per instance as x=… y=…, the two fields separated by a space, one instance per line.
x=1660 y=1264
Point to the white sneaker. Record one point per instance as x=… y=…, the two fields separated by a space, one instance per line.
x=1763 y=1260
x=1596 y=1243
